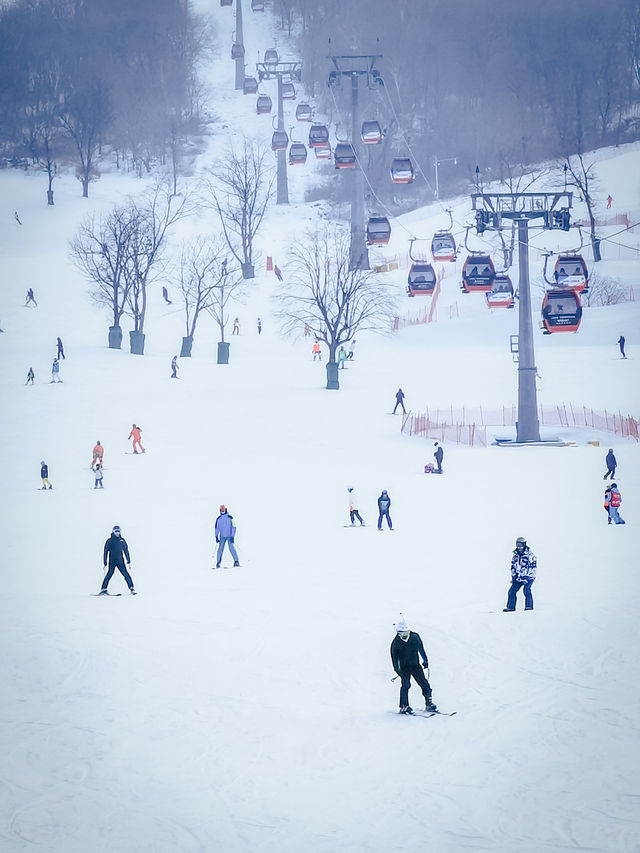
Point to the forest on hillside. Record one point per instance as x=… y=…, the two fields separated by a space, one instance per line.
x=490 y=82
x=77 y=75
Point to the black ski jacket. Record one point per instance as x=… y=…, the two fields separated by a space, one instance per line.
x=384 y=502
x=405 y=655
x=611 y=460
x=117 y=550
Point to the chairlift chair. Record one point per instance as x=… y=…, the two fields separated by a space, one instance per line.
x=478 y=274
x=378 y=231
x=401 y=170
x=561 y=310
x=297 y=154
x=263 y=105
x=303 y=112
x=250 y=86
x=443 y=246
x=421 y=279
x=371 y=133
x=501 y=293
x=344 y=157
x=279 y=140
x=318 y=136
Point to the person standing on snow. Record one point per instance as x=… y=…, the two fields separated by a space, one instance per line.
x=438 y=455
x=97 y=468
x=611 y=464
x=44 y=476
x=136 y=433
x=30 y=376
x=55 y=372
x=353 y=507
x=225 y=531
x=30 y=298
x=315 y=349
x=60 y=348
x=236 y=327
x=351 y=349
x=621 y=345
x=342 y=355
x=406 y=648
x=399 y=401
x=614 y=504
x=97 y=454
x=259 y=324
x=523 y=573
x=174 y=367
x=607 y=501
x=116 y=552
x=384 y=502
x=165 y=296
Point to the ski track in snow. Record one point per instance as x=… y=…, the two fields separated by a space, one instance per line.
x=247 y=710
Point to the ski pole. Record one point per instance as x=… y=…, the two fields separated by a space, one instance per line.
x=394 y=677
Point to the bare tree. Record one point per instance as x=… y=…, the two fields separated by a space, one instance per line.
x=240 y=190
x=100 y=250
x=579 y=173
x=84 y=115
x=199 y=273
x=150 y=220
x=603 y=290
x=322 y=292
x=227 y=285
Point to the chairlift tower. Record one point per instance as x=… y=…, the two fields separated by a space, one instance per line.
x=239 y=40
x=491 y=209
x=356 y=67
x=280 y=70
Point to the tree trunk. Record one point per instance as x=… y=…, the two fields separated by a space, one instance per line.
x=332 y=376
x=85 y=187
x=187 y=343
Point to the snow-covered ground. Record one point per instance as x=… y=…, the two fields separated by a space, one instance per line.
x=251 y=709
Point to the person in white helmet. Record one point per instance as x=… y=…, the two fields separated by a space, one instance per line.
x=406 y=648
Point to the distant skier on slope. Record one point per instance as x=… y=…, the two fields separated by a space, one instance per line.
x=97 y=454
x=116 y=553
x=621 y=343
x=55 y=371
x=611 y=464
x=135 y=434
x=44 y=475
x=353 y=507
x=225 y=532
x=406 y=648
x=30 y=377
x=30 y=298
x=523 y=573
x=614 y=505
x=438 y=455
x=97 y=469
x=384 y=502
x=60 y=348
x=342 y=357
x=399 y=401
x=174 y=367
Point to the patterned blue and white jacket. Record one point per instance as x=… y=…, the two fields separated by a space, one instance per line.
x=523 y=566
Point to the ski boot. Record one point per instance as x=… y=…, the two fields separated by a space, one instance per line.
x=132 y=591
x=430 y=705
x=236 y=563
x=405 y=709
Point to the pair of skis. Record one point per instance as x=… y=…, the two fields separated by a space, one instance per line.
x=428 y=714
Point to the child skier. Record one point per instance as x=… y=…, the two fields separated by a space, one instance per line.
x=405 y=649
x=97 y=468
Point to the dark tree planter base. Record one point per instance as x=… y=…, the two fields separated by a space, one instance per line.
x=115 y=337
x=332 y=376
x=248 y=271
x=136 y=343
x=187 y=343
x=223 y=352
x=49 y=196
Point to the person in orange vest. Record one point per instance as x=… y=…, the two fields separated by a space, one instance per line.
x=614 y=504
x=98 y=453
x=315 y=349
x=135 y=434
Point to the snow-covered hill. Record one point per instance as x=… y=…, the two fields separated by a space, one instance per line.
x=251 y=709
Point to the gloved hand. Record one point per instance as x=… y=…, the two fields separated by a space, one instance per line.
x=425 y=665
x=232 y=539
x=217 y=541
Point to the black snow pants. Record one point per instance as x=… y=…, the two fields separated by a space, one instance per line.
x=417 y=672
x=123 y=571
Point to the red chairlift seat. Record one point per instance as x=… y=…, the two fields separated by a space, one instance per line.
x=421 y=279
x=501 y=293
x=478 y=274
x=250 y=86
x=443 y=246
x=571 y=271
x=561 y=310
x=279 y=140
x=263 y=105
x=344 y=157
x=378 y=231
x=401 y=170
x=297 y=154
x=371 y=133
x=303 y=112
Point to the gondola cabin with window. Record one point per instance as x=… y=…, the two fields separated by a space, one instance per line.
x=271 y=56
x=288 y=91
x=344 y=157
x=501 y=294
x=323 y=153
x=443 y=246
x=421 y=279
x=561 y=310
x=237 y=50
x=378 y=231
x=478 y=274
x=279 y=140
x=297 y=154
x=257 y=5
x=318 y=136
x=250 y=86
x=571 y=271
x=263 y=105
x=371 y=134
x=303 y=112
x=401 y=170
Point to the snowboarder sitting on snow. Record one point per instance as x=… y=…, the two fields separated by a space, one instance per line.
x=353 y=506
x=225 y=531
x=44 y=475
x=384 y=502
x=405 y=648
x=611 y=464
x=116 y=551
x=438 y=457
x=523 y=573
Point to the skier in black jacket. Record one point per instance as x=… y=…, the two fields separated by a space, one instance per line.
x=405 y=648
x=611 y=464
x=384 y=502
x=116 y=551
x=438 y=455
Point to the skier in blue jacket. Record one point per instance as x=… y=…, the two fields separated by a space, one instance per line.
x=523 y=573
x=225 y=531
